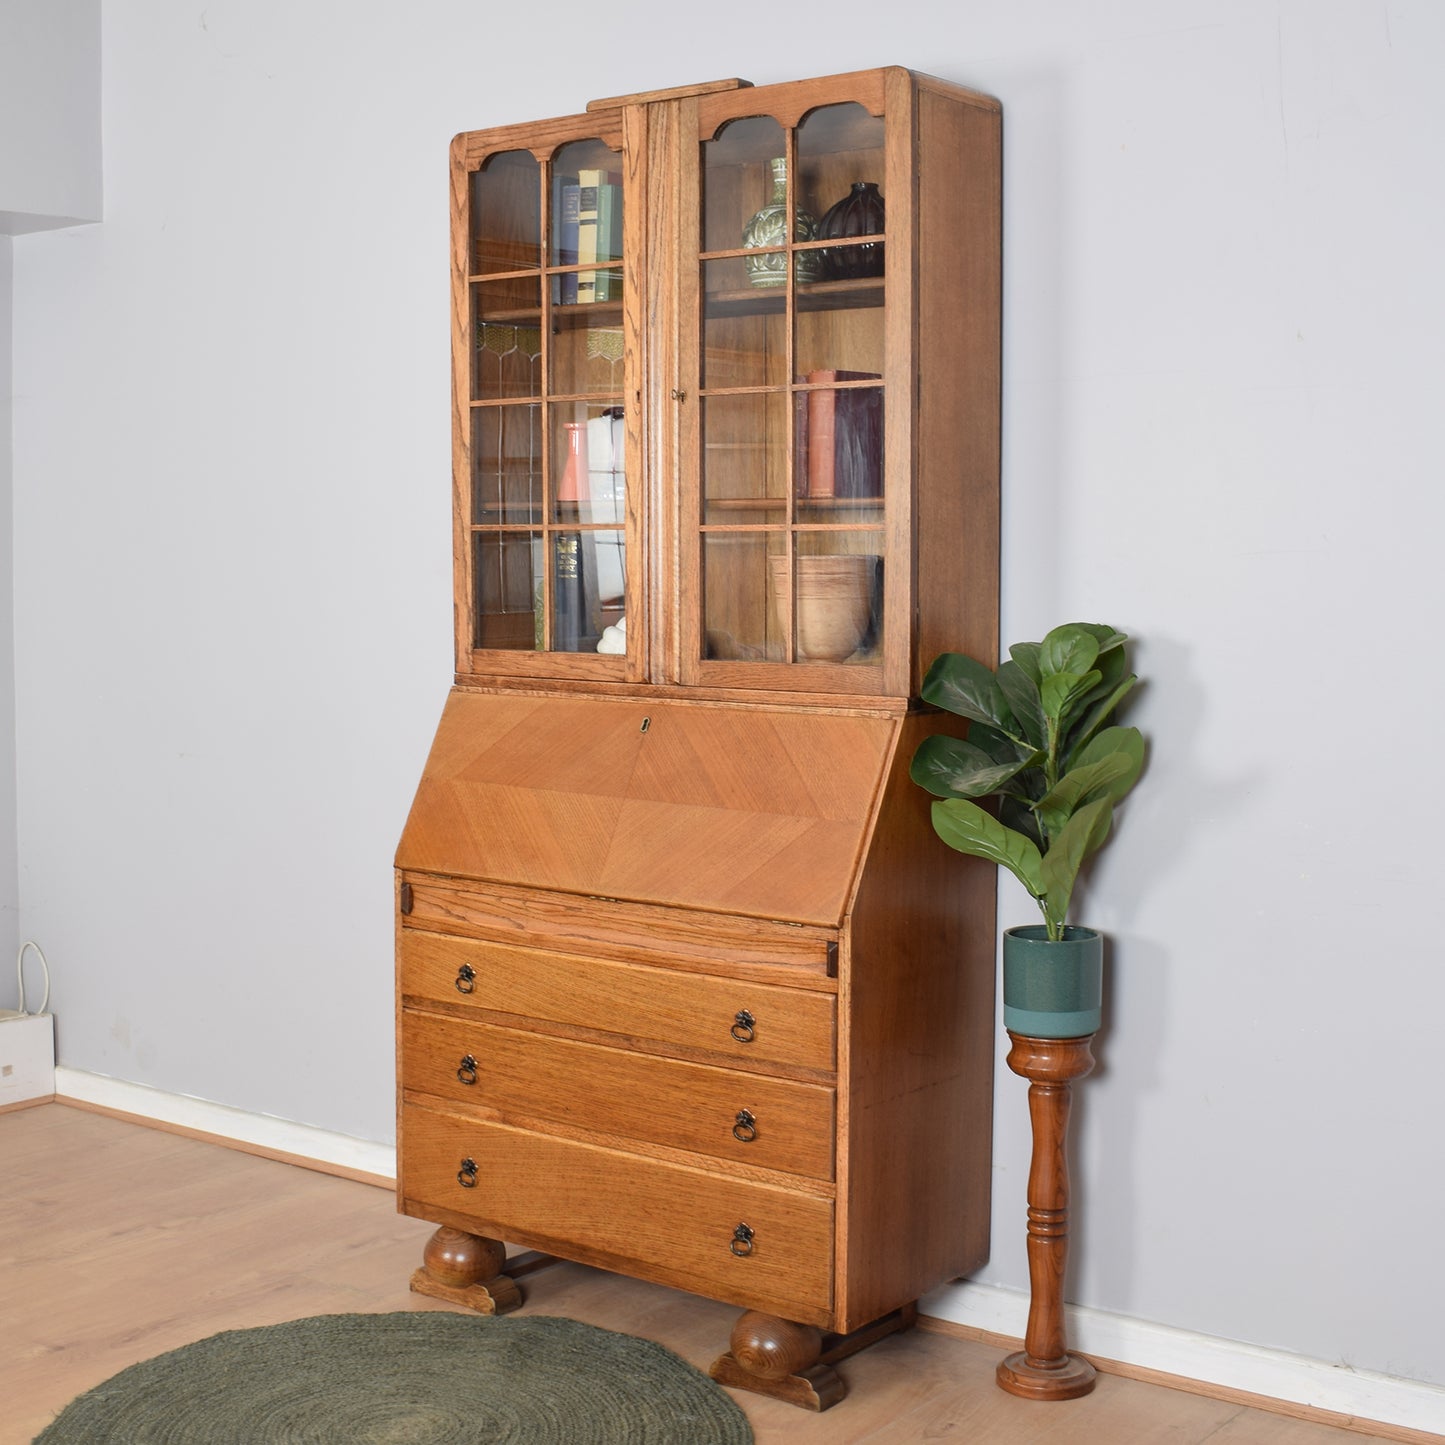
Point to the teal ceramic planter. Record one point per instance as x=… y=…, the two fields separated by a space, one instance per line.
x=1052 y=990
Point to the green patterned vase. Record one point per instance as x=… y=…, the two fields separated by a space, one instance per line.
x=1052 y=990
x=770 y=228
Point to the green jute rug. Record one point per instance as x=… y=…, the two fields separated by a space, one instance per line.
x=423 y=1378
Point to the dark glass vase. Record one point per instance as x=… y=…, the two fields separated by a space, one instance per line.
x=859 y=213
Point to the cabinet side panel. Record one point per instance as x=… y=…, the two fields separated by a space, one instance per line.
x=918 y=996
x=959 y=315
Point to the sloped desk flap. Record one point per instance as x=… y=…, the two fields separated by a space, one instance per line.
x=735 y=809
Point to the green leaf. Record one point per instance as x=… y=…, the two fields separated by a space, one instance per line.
x=961 y=685
x=1018 y=814
x=1026 y=654
x=1106 y=637
x=1068 y=649
x=966 y=827
x=1116 y=742
x=1060 y=690
x=1110 y=774
x=1095 y=716
x=1083 y=835
x=1022 y=695
x=948 y=768
x=999 y=746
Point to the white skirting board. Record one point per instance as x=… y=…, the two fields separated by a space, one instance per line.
x=262 y=1131
x=1227 y=1363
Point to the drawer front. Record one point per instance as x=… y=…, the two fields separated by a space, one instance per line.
x=747 y=1023
x=530 y=1078
x=640 y=1216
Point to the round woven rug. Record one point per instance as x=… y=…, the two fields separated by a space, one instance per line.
x=423 y=1378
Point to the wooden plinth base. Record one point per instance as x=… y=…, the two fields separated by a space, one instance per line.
x=1044 y=1369
x=466 y=1269
x=793 y=1362
x=1064 y=1380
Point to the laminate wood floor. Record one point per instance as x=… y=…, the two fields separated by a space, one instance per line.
x=118 y=1242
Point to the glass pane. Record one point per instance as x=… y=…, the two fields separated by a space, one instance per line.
x=507 y=464
x=737 y=182
x=586 y=350
x=847 y=339
x=586 y=221
x=738 y=623
x=508 y=591
x=506 y=329
x=836 y=603
x=840 y=170
x=607 y=552
x=746 y=442
x=588 y=462
x=744 y=331
x=576 y=625
x=840 y=438
x=507 y=214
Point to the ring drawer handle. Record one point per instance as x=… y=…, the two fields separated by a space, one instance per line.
x=746 y=1128
x=467 y=1070
x=744 y=1026
x=467 y=1174
x=466 y=978
x=742 y=1241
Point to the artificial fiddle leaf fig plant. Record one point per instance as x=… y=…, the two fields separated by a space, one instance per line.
x=1041 y=742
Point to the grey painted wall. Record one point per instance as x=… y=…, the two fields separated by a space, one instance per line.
x=50 y=158
x=1223 y=306
x=9 y=872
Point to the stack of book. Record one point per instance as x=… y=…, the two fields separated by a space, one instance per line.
x=590 y=230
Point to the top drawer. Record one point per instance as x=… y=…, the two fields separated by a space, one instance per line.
x=749 y=1024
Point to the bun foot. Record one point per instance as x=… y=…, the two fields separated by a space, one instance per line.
x=466 y=1269
x=776 y=1357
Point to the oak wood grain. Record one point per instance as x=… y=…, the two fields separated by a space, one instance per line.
x=647 y=1217
x=634 y=1001
x=537 y=1081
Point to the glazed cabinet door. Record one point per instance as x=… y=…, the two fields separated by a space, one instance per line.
x=545 y=436
x=796 y=284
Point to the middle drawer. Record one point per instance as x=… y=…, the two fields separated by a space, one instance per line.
x=536 y=1080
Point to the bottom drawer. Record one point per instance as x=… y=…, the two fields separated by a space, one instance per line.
x=638 y=1216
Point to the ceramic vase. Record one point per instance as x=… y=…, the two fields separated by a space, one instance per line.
x=769 y=228
x=859 y=213
x=834 y=598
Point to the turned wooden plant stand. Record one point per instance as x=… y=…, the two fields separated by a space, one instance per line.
x=1044 y=1369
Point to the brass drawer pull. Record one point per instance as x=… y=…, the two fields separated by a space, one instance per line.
x=467 y=1174
x=744 y=1026
x=467 y=1070
x=746 y=1128
x=742 y=1241
x=466 y=978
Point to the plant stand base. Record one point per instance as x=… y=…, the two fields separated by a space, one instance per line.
x=1036 y=1380
x=1044 y=1369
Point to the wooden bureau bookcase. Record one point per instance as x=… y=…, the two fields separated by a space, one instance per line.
x=687 y=988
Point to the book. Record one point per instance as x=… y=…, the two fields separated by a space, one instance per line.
x=569 y=199
x=598 y=239
x=609 y=240
x=841 y=437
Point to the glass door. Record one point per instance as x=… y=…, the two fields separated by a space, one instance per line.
x=787 y=513
x=542 y=452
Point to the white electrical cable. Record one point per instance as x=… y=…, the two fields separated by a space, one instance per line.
x=20 y=974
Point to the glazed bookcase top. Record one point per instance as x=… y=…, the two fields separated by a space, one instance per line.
x=700 y=447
